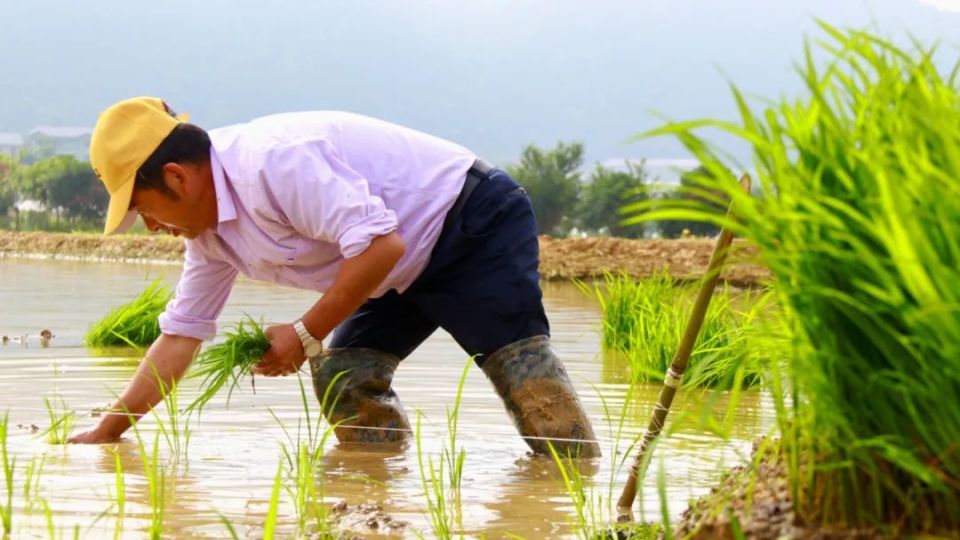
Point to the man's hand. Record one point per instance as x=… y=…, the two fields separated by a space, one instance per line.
x=92 y=436
x=286 y=352
x=358 y=277
x=167 y=359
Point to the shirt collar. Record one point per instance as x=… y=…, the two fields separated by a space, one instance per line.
x=226 y=210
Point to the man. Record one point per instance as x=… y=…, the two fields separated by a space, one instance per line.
x=401 y=232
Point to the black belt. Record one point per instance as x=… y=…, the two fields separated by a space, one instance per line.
x=479 y=172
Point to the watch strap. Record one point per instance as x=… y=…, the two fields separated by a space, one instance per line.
x=306 y=338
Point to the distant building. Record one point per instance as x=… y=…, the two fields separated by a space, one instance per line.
x=53 y=140
x=10 y=144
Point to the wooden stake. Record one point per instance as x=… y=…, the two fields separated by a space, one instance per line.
x=674 y=375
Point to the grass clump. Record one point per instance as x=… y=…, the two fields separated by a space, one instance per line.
x=859 y=222
x=228 y=362
x=644 y=321
x=134 y=324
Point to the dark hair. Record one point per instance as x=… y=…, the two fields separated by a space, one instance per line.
x=187 y=143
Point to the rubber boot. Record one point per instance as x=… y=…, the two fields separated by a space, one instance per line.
x=540 y=398
x=361 y=399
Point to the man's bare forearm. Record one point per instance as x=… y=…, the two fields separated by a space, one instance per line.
x=165 y=363
x=357 y=279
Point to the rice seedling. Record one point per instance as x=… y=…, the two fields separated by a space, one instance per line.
x=270 y=524
x=62 y=420
x=230 y=528
x=664 y=506
x=176 y=431
x=120 y=495
x=434 y=490
x=859 y=223
x=645 y=320
x=456 y=458
x=134 y=324
x=9 y=465
x=52 y=532
x=31 y=481
x=303 y=459
x=156 y=476
x=595 y=513
x=443 y=500
x=228 y=362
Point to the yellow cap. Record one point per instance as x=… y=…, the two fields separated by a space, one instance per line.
x=126 y=134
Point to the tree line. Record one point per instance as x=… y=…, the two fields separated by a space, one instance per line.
x=567 y=199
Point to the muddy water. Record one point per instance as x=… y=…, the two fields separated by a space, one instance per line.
x=233 y=452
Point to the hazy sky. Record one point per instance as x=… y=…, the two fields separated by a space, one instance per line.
x=490 y=74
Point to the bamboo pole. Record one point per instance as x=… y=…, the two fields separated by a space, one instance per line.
x=674 y=375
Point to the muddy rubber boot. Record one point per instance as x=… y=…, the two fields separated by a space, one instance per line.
x=361 y=397
x=540 y=398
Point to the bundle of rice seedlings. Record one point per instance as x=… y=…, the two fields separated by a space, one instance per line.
x=859 y=222
x=134 y=324
x=228 y=362
x=645 y=319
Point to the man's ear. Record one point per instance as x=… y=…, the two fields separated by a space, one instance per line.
x=175 y=176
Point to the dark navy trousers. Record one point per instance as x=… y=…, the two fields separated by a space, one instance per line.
x=482 y=284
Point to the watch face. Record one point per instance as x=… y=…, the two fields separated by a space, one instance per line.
x=312 y=350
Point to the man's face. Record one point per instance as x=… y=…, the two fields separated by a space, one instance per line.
x=176 y=212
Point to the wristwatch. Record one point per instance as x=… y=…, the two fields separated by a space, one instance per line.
x=311 y=346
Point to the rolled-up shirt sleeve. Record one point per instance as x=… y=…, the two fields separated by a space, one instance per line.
x=203 y=290
x=323 y=198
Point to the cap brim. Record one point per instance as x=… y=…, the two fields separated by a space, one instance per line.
x=119 y=216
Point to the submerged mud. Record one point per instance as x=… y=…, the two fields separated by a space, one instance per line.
x=364 y=519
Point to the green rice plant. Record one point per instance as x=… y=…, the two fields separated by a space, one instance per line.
x=270 y=524
x=52 y=532
x=9 y=465
x=434 y=490
x=645 y=320
x=664 y=506
x=121 y=493
x=31 y=481
x=595 y=513
x=303 y=459
x=443 y=500
x=229 y=361
x=456 y=458
x=859 y=222
x=230 y=528
x=134 y=324
x=175 y=430
x=61 y=421
x=574 y=484
x=156 y=476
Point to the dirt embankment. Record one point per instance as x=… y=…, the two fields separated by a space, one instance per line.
x=560 y=258
x=566 y=258
x=91 y=246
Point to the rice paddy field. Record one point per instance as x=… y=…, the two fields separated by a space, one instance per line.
x=225 y=471
x=833 y=387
